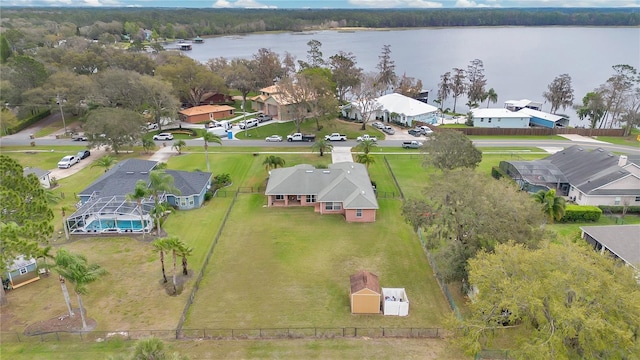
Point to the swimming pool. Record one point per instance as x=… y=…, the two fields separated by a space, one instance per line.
x=115 y=225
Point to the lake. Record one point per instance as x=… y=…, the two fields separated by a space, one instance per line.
x=519 y=62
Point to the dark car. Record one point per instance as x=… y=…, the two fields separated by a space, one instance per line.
x=83 y=154
x=415 y=132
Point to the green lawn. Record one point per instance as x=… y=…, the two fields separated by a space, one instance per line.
x=352 y=130
x=620 y=140
x=40 y=156
x=266 y=272
x=518 y=137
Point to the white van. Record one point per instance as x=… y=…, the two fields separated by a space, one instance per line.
x=225 y=124
x=218 y=131
x=248 y=123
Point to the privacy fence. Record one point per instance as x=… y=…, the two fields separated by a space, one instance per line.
x=535 y=131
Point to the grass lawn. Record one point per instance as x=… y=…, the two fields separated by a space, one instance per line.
x=517 y=137
x=423 y=349
x=40 y=156
x=267 y=272
x=620 y=140
x=351 y=129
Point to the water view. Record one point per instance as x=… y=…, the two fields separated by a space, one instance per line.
x=519 y=62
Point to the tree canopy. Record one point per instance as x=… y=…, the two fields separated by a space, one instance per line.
x=448 y=150
x=568 y=301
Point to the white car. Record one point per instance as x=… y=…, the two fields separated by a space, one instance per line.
x=276 y=138
x=163 y=136
x=378 y=125
x=67 y=162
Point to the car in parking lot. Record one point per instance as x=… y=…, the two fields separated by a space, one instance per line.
x=276 y=138
x=79 y=137
x=83 y=154
x=389 y=130
x=264 y=117
x=415 y=132
x=378 y=125
x=67 y=162
x=163 y=136
x=249 y=123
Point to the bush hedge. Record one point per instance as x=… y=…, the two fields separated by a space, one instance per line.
x=581 y=213
x=498 y=173
x=618 y=209
x=29 y=121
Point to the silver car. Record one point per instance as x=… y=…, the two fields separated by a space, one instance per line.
x=389 y=130
x=378 y=125
x=67 y=162
x=276 y=138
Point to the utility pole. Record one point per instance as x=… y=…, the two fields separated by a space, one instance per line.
x=64 y=124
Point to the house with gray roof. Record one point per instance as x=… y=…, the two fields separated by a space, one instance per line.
x=42 y=175
x=103 y=206
x=595 y=177
x=620 y=241
x=342 y=188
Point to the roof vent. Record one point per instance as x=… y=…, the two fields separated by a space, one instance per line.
x=130 y=172
x=309 y=171
x=326 y=171
x=144 y=172
x=362 y=192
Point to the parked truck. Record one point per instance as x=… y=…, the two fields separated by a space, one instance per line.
x=335 y=137
x=301 y=137
x=367 y=137
x=411 y=144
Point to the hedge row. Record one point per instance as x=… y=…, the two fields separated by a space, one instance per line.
x=618 y=209
x=29 y=121
x=581 y=213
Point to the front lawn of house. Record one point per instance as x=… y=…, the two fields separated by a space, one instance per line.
x=351 y=129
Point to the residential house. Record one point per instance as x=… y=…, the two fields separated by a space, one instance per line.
x=103 y=206
x=42 y=175
x=273 y=101
x=395 y=108
x=343 y=188
x=214 y=98
x=543 y=119
x=499 y=118
x=515 y=105
x=596 y=177
x=205 y=113
x=619 y=241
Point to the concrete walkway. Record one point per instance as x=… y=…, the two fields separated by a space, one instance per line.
x=574 y=137
x=341 y=154
x=163 y=154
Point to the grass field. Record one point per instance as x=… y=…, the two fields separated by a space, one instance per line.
x=351 y=129
x=266 y=272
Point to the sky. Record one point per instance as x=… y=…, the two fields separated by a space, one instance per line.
x=324 y=4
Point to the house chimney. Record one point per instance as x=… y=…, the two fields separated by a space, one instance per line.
x=622 y=160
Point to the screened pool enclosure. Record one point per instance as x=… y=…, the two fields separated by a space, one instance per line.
x=114 y=214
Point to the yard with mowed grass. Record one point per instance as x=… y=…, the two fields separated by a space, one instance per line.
x=290 y=267
x=351 y=129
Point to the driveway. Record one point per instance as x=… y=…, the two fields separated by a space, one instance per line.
x=63 y=173
x=341 y=154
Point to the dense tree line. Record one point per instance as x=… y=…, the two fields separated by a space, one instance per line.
x=184 y=23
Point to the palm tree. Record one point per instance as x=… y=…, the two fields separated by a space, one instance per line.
x=106 y=162
x=52 y=198
x=552 y=206
x=81 y=273
x=44 y=253
x=322 y=145
x=492 y=96
x=139 y=192
x=159 y=181
x=160 y=246
x=179 y=145
x=209 y=137
x=272 y=162
x=149 y=349
x=173 y=244
x=148 y=144
x=183 y=251
x=366 y=159
x=366 y=146
x=62 y=260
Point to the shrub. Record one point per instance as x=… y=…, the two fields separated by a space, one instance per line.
x=581 y=213
x=498 y=173
x=618 y=209
x=29 y=121
x=221 y=180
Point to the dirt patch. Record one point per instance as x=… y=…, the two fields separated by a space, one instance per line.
x=63 y=322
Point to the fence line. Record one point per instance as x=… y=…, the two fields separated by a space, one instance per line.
x=196 y=286
x=227 y=334
x=441 y=282
x=393 y=176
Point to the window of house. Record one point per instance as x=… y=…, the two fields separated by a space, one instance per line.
x=190 y=201
x=489 y=120
x=358 y=212
x=616 y=201
x=279 y=197
x=481 y=119
x=183 y=201
x=333 y=206
x=637 y=198
x=299 y=197
x=210 y=116
x=579 y=196
x=23 y=270
x=311 y=198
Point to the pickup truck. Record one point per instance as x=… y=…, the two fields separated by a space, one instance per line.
x=367 y=137
x=301 y=137
x=336 y=137
x=411 y=144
